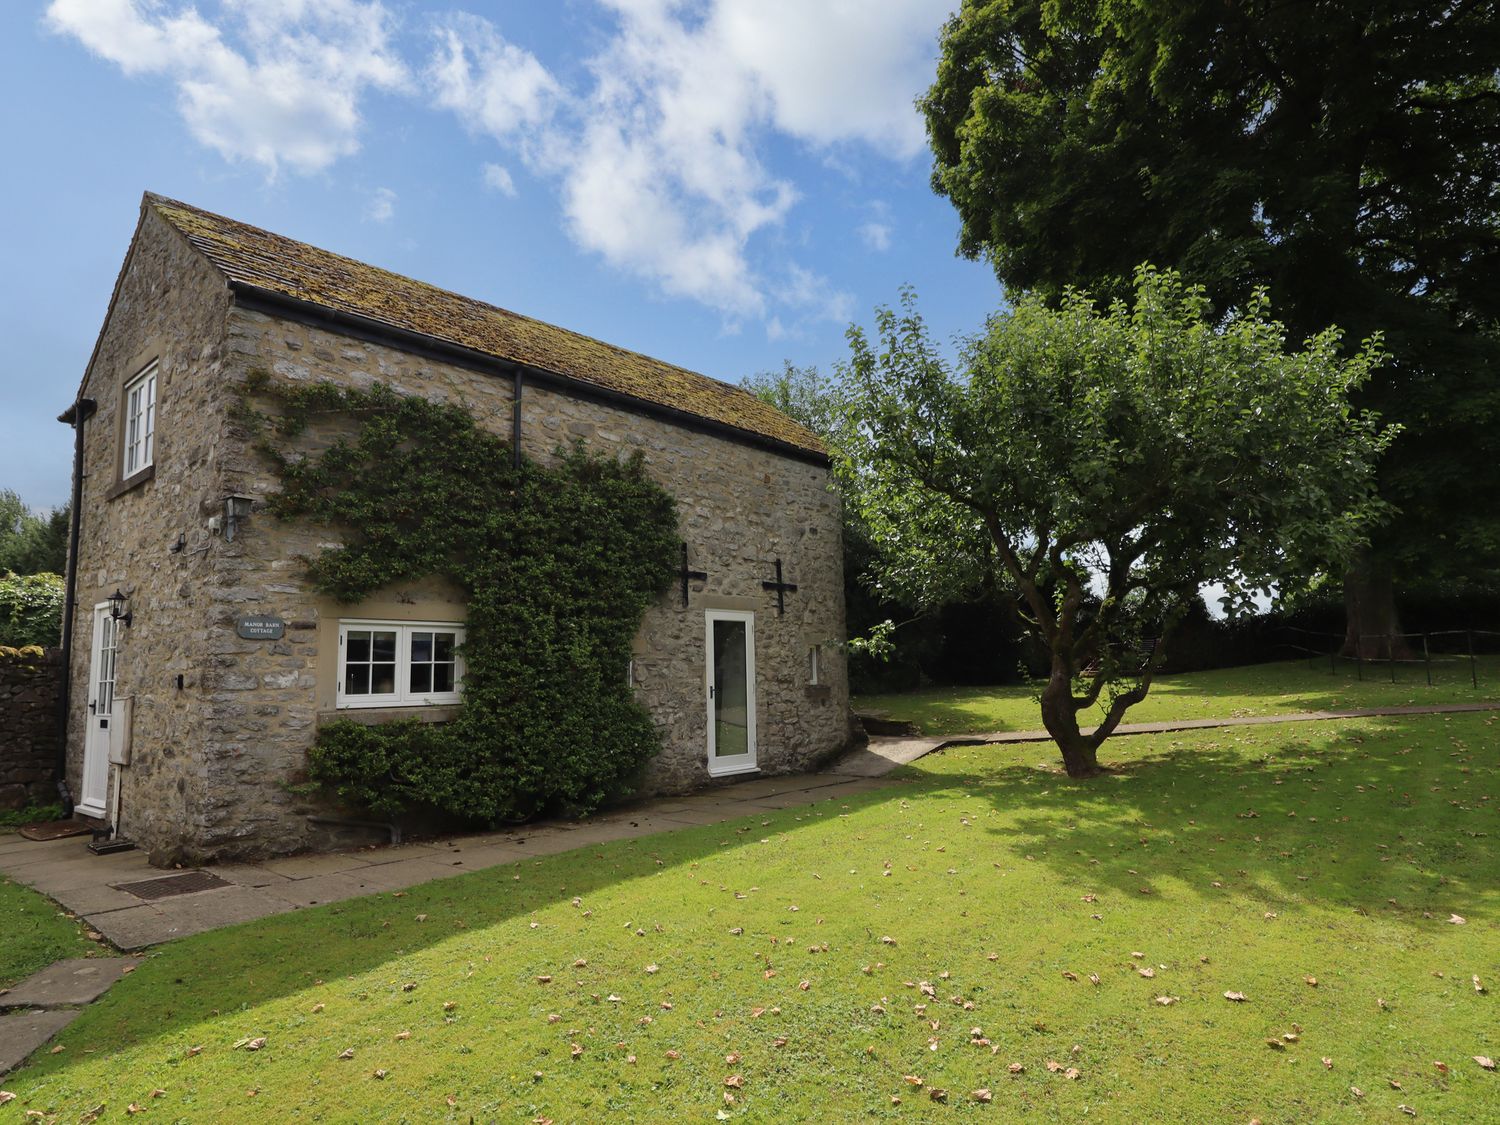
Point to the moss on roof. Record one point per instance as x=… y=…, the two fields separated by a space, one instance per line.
x=284 y=266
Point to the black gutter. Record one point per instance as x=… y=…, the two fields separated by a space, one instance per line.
x=256 y=299
x=75 y=416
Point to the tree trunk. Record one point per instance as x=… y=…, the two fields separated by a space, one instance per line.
x=1080 y=753
x=1373 y=626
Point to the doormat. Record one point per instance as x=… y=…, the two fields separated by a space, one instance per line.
x=189 y=882
x=56 y=830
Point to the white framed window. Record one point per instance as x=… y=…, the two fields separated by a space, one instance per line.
x=814 y=664
x=140 y=422
x=399 y=663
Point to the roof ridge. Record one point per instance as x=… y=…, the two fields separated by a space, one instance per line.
x=281 y=265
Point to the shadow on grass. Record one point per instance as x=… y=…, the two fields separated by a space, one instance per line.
x=1340 y=814
x=1383 y=817
x=187 y=981
x=1221 y=693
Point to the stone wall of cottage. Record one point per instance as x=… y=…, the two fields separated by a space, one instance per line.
x=30 y=688
x=149 y=539
x=222 y=724
x=740 y=507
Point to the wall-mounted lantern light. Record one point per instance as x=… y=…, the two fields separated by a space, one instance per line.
x=236 y=512
x=117 y=609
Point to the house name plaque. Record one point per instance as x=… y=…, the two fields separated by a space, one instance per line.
x=260 y=628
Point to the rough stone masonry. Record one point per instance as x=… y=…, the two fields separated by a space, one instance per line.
x=222 y=724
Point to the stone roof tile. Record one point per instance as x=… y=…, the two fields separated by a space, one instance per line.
x=283 y=266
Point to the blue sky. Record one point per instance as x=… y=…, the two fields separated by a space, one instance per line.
x=725 y=184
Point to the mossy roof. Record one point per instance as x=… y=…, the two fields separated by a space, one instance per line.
x=279 y=265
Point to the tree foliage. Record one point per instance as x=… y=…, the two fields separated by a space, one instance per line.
x=31 y=608
x=31 y=542
x=1338 y=152
x=1108 y=464
x=558 y=565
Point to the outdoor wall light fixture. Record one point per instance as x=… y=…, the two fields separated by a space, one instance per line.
x=236 y=512
x=117 y=608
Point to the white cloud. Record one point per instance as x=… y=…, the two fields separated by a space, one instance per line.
x=382 y=206
x=498 y=177
x=276 y=82
x=661 y=160
x=493 y=85
x=877 y=236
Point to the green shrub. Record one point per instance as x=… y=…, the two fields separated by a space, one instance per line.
x=31 y=609
x=558 y=565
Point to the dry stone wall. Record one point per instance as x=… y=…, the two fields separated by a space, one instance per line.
x=30 y=689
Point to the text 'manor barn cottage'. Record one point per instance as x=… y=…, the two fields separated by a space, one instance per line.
x=185 y=726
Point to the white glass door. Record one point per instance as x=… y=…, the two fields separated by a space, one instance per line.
x=731 y=691
x=95 y=788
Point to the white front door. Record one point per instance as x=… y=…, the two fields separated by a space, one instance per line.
x=730 y=680
x=95 y=788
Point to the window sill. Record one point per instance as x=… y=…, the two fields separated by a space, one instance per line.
x=135 y=480
x=374 y=716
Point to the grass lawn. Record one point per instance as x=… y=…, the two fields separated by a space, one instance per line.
x=804 y=962
x=1259 y=689
x=34 y=932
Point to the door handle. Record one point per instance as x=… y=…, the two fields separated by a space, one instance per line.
x=92 y=705
x=710 y=691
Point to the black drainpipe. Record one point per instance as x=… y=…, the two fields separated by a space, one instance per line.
x=75 y=416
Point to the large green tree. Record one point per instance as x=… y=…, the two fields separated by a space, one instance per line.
x=31 y=542
x=1108 y=464
x=1341 y=152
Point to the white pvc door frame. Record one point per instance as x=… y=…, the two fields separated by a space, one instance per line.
x=725 y=765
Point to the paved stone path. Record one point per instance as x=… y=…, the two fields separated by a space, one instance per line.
x=46 y=1002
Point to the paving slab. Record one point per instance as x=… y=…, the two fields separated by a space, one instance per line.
x=401 y=874
x=248 y=874
x=308 y=866
x=94 y=899
x=314 y=890
x=700 y=816
x=79 y=980
x=489 y=855
x=21 y=1033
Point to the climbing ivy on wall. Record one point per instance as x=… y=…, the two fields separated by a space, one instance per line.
x=558 y=565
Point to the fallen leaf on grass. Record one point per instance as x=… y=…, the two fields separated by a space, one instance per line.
x=401 y=1036
x=1356 y=1091
x=1312 y=981
x=1478 y=987
x=191 y=1051
x=912 y=1080
x=1456 y=919
x=981 y=1095
x=1327 y=1063
x=1237 y=997
x=674 y=1054
x=1054 y=1067
x=134 y=1108
x=318 y=1008
x=1148 y=972
x=379 y=1074
x=6 y=1096
x=1094 y=979
x=1016 y=1068
x=1394 y=1084
x=1069 y=975
x=653 y=969
x=1485 y=1061
x=1406 y=1109
x=937 y=1095
x=735 y=1082
x=347 y=1053
x=1164 y=1001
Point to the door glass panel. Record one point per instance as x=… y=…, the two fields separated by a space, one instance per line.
x=104 y=685
x=731 y=709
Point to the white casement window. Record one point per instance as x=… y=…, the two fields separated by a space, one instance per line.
x=814 y=664
x=140 y=422
x=399 y=664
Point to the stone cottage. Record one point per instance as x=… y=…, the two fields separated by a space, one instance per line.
x=201 y=663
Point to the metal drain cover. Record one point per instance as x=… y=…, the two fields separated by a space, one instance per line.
x=189 y=882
